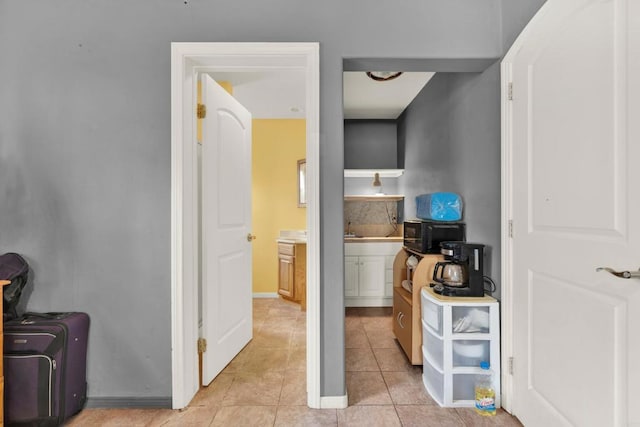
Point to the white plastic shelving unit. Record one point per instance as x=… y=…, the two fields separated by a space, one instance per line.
x=457 y=334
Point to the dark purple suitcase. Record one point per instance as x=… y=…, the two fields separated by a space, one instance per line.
x=45 y=367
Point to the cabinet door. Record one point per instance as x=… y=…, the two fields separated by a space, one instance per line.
x=351 y=276
x=388 y=273
x=402 y=325
x=371 y=276
x=286 y=270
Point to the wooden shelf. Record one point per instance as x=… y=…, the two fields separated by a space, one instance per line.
x=407 y=325
x=368 y=173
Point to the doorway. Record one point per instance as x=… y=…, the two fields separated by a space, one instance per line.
x=187 y=59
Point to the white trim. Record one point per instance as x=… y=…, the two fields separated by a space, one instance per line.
x=506 y=288
x=259 y=295
x=368 y=301
x=313 y=223
x=186 y=60
x=369 y=173
x=334 y=402
x=506 y=298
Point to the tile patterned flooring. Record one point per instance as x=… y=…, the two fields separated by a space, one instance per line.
x=265 y=384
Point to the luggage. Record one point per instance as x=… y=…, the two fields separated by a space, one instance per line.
x=45 y=360
x=15 y=269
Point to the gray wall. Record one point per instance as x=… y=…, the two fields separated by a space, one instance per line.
x=515 y=15
x=85 y=150
x=363 y=186
x=370 y=144
x=451 y=138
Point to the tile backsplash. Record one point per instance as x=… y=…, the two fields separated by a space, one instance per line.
x=371 y=218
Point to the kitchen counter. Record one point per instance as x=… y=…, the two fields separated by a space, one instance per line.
x=372 y=239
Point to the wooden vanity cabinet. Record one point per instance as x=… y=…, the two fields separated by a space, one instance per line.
x=292 y=272
x=407 y=325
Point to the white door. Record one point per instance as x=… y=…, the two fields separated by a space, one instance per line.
x=575 y=192
x=226 y=225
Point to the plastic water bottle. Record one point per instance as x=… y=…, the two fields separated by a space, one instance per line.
x=485 y=393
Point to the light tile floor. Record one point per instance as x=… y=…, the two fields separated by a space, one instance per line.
x=265 y=384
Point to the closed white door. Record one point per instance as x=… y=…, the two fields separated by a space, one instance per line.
x=574 y=137
x=226 y=225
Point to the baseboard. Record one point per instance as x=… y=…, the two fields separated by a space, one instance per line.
x=265 y=295
x=129 y=402
x=368 y=301
x=334 y=402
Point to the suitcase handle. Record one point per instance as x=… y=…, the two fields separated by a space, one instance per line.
x=51 y=315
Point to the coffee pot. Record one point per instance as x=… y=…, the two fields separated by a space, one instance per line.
x=450 y=273
x=461 y=273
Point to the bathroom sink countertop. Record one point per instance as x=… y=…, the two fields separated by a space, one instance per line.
x=289 y=240
x=292 y=236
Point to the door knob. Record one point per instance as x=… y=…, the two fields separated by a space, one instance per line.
x=621 y=274
x=250 y=237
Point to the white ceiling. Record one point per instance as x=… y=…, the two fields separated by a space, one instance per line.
x=365 y=98
x=278 y=94
x=281 y=93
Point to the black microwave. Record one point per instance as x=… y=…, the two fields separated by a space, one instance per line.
x=425 y=236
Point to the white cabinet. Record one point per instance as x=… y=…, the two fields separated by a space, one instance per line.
x=351 y=276
x=457 y=334
x=368 y=273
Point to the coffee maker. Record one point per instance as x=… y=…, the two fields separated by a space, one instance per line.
x=461 y=274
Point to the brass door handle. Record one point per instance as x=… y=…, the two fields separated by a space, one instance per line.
x=250 y=237
x=621 y=274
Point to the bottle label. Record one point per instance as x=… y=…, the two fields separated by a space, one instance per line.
x=485 y=401
x=486 y=404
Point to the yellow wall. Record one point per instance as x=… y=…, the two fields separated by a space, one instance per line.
x=277 y=147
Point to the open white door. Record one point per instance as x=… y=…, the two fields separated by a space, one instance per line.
x=573 y=137
x=226 y=228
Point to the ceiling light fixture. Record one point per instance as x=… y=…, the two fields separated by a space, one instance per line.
x=376 y=180
x=383 y=76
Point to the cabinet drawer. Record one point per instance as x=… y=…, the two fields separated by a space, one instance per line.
x=469 y=353
x=470 y=319
x=433 y=381
x=286 y=249
x=431 y=314
x=402 y=326
x=463 y=387
x=433 y=347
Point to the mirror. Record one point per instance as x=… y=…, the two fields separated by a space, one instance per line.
x=302 y=179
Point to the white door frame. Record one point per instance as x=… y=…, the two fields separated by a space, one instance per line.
x=506 y=271
x=187 y=59
x=506 y=289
